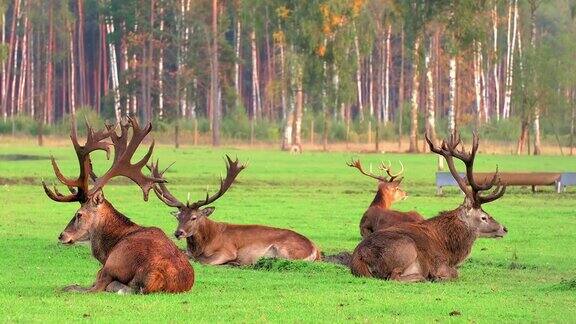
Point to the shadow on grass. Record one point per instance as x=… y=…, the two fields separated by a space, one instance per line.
x=566 y=285
x=22 y=157
x=508 y=265
x=283 y=265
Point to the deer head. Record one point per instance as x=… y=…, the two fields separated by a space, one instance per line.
x=87 y=187
x=470 y=211
x=388 y=186
x=191 y=216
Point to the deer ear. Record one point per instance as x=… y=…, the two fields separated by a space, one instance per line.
x=207 y=211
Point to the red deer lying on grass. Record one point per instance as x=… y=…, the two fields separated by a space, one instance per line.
x=379 y=215
x=434 y=248
x=134 y=258
x=217 y=243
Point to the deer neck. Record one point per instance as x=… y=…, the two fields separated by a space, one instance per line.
x=381 y=199
x=112 y=227
x=454 y=235
x=206 y=232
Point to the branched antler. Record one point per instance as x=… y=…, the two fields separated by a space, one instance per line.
x=449 y=149
x=233 y=168
x=124 y=149
x=160 y=189
x=94 y=141
x=387 y=168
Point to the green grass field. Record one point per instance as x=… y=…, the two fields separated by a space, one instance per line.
x=529 y=275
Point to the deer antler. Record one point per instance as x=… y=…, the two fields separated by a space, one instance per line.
x=449 y=149
x=124 y=149
x=233 y=168
x=121 y=166
x=94 y=141
x=388 y=170
x=356 y=164
x=160 y=188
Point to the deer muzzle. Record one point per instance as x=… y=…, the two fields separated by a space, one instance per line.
x=65 y=238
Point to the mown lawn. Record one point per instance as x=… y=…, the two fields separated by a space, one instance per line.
x=529 y=275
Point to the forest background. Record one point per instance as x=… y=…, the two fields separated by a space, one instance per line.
x=295 y=72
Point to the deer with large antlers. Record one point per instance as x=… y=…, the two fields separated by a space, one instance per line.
x=379 y=215
x=217 y=243
x=134 y=258
x=434 y=248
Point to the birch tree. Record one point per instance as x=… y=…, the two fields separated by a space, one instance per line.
x=415 y=97
x=430 y=100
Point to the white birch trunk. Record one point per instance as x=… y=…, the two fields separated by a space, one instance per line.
x=430 y=100
x=32 y=77
x=386 y=116
x=299 y=107
x=477 y=85
x=370 y=85
x=24 y=67
x=72 y=71
x=161 y=68
x=4 y=83
x=193 y=102
x=510 y=64
x=237 y=61
x=114 y=70
x=184 y=9
x=287 y=139
x=283 y=80
x=495 y=76
x=256 y=106
x=358 y=75
x=14 y=71
x=452 y=95
x=133 y=98
x=415 y=98
x=537 y=135
x=483 y=84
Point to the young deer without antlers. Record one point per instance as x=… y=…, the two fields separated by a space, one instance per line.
x=217 y=243
x=133 y=258
x=379 y=215
x=434 y=248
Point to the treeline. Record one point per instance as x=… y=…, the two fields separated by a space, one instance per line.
x=397 y=67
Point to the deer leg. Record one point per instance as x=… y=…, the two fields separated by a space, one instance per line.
x=75 y=288
x=413 y=277
x=218 y=258
x=445 y=272
x=103 y=279
x=119 y=288
x=410 y=274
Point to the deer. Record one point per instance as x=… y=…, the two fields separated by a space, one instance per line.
x=134 y=259
x=379 y=216
x=434 y=248
x=216 y=243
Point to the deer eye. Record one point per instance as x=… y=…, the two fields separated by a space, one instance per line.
x=484 y=218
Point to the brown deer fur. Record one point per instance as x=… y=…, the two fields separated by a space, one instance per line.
x=379 y=215
x=434 y=248
x=216 y=243
x=133 y=258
